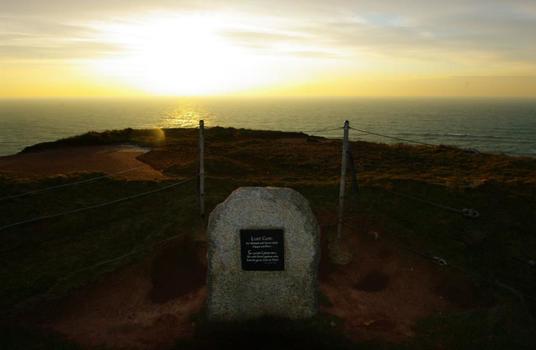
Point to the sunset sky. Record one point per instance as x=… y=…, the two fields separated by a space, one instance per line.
x=267 y=48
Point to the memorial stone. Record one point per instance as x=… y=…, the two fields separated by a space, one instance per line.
x=263 y=254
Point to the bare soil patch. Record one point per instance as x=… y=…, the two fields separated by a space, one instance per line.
x=134 y=308
x=177 y=271
x=83 y=159
x=374 y=281
x=383 y=292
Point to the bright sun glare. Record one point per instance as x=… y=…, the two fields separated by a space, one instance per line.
x=179 y=55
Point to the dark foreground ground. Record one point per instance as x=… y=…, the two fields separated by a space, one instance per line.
x=132 y=275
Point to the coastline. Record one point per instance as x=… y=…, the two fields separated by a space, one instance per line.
x=154 y=151
x=490 y=125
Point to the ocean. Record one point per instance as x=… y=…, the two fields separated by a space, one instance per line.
x=505 y=126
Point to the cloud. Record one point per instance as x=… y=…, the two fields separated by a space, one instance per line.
x=257 y=39
x=102 y=9
x=299 y=45
x=68 y=50
x=37 y=39
x=501 y=32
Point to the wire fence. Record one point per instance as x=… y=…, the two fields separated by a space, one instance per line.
x=320 y=130
x=392 y=137
x=91 y=207
x=469 y=213
x=443 y=261
x=55 y=187
x=132 y=252
x=466 y=212
x=136 y=250
x=50 y=291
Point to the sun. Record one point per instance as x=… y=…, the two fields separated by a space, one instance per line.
x=178 y=55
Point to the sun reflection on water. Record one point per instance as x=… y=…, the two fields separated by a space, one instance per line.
x=185 y=115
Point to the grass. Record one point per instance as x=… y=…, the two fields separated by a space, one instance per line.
x=319 y=332
x=496 y=247
x=500 y=327
x=17 y=337
x=37 y=257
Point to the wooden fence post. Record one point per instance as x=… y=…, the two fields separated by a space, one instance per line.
x=202 y=168
x=342 y=185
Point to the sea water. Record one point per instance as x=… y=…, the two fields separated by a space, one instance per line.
x=486 y=124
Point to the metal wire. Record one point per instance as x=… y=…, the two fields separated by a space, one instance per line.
x=50 y=188
x=104 y=262
x=392 y=137
x=434 y=258
x=133 y=251
x=466 y=212
x=105 y=204
x=444 y=263
x=320 y=130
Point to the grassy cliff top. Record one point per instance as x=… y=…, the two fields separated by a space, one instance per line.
x=492 y=250
x=273 y=154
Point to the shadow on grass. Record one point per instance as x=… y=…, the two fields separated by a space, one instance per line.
x=17 y=337
x=320 y=332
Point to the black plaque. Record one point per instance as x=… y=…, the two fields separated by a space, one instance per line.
x=262 y=250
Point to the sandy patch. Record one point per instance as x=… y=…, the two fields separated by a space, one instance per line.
x=87 y=159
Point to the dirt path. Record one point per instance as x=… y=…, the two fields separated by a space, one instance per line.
x=380 y=295
x=67 y=160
